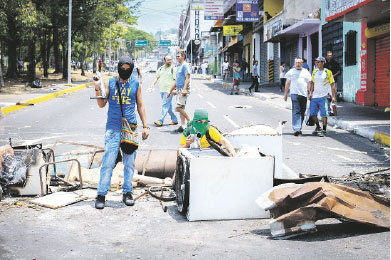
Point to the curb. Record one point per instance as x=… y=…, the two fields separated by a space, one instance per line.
x=382 y=138
x=377 y=137
x=7 y=110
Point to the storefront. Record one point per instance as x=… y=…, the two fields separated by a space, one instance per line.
x=374 y=48
x=300 y=40
x=332 y=40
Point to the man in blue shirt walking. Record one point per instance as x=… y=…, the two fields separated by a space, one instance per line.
x=182 y=85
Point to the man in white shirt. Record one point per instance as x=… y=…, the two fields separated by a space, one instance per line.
x=322 y=81
x=225 y=70
x=298 y=80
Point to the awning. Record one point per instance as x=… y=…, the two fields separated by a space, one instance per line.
x=234 y=45
x=296 y=29
x=218 y=26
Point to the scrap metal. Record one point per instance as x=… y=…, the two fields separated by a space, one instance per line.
x=296 y=207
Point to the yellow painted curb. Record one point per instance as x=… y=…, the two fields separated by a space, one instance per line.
x=382 y=138
x=6 y=110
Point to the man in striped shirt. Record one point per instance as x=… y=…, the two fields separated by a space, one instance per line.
x=322 y=82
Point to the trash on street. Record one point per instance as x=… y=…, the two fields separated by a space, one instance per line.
x=296 y=207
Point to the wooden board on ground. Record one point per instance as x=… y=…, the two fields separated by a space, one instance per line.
x=58 y=200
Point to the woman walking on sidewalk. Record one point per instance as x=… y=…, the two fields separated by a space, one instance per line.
x=236 y=78
x=255 y=77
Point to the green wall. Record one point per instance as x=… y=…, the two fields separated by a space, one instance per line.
x=352 y=74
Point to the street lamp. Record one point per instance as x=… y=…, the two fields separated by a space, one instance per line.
x=69 y=42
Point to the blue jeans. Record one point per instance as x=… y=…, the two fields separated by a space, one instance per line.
x=112 y=143
x=167 y=107
x=299 y=105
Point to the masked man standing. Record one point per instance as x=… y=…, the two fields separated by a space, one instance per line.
x=130 y=91
x=208 y=135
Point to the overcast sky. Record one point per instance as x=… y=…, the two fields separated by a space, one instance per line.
x=160 y=14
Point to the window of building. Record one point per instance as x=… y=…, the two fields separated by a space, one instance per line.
x=351 y=48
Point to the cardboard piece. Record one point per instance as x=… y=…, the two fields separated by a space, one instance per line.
x=58 y=200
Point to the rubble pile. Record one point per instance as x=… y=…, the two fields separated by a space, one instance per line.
x=374 y=182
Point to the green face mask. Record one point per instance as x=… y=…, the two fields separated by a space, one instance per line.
x=197 y=127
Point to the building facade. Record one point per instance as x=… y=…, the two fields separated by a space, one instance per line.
x=357 y=32
x=366 y=49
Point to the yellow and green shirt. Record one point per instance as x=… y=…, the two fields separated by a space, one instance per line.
x=322 y=80
x=214 y=135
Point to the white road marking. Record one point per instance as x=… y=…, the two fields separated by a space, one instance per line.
x=210 y=104
x=346 y=158
x=344 y=150
x=231 y=121
x=200 y=96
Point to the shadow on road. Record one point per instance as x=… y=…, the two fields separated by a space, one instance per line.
x=329 y=232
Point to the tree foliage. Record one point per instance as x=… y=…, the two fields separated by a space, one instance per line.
x=37 y=31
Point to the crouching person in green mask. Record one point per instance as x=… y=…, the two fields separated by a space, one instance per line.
x=207 y=135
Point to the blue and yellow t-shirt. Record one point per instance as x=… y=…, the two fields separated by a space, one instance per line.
x=214 y=135
x=128 y=95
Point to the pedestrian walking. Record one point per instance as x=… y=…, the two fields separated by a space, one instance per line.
x=333 y=65
x=182 y=85
x=225 y=70
x=255 y=77
x=282 y=76
x=136 y=74
x=298 y=81
x=236 y=78
x=166 y=74
x=20 y=65
x=335 y=68
x=100 y=65
x=243 y=69
x=204 y=67
x=305 y=64
x=322 y=82
x=124 y=94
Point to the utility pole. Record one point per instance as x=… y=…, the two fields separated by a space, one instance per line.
x=69 y=42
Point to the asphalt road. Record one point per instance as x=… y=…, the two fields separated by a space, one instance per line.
x=76 y=118
x=145 y=231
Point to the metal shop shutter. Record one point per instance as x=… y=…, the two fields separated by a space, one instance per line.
x=382 y=72
x=276 y=66
x=263 y=66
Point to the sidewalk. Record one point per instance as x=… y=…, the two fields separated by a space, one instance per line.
x=369 y=122
x=21 y=94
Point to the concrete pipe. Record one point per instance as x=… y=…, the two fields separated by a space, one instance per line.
x=156 y=163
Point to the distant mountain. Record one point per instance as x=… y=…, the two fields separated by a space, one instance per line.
x=160 y=34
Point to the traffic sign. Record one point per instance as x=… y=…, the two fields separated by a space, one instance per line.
x=165 y=43
x=139 y=43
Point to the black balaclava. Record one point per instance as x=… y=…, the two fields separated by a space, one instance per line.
x=125 y=74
